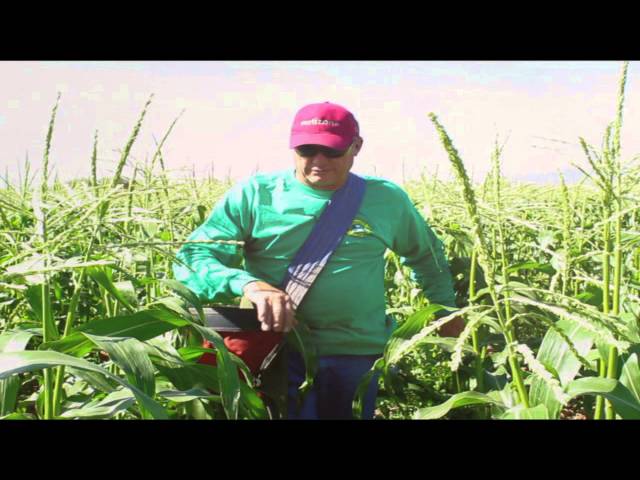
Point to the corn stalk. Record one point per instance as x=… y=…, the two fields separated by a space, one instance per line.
x=484 y=259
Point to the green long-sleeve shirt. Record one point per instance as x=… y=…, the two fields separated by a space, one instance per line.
x=345 y=308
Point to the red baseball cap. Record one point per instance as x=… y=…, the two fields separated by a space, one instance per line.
x=325 y=124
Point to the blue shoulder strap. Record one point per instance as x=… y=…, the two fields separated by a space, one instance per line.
x=327 y=233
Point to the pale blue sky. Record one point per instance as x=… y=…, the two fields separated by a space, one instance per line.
x=238 y=114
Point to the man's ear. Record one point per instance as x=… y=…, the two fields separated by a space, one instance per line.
x=358 y=146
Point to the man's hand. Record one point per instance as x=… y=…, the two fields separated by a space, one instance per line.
x=275 y=308
x=452 y=328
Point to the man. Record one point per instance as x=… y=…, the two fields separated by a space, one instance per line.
x=345 y=306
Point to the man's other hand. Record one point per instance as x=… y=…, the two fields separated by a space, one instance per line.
x=452 y=328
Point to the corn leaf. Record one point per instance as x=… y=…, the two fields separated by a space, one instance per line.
x=142 y=325
x=130 y=355
x=413 y=325
x=115 y=402
x=181 y=396
x=458 y=400
x=127 y=289
x=191 y=354
x=185 y=293
x=35 y=265
x=9 y=387
x=13 y=363
x=96 y=380
x=189 y=375
x=539 y=412
x=399 y=344
x=554 y=352
x=251 y=405
x=299 y=339
x=630 y=376
x=34 y=297
x=229 y=382
x=623 y=401
x=102 y=276
x=363 y=386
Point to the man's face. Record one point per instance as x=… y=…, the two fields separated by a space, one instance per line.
x=323 y=172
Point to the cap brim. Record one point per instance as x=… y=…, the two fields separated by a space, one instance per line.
x=327 y=139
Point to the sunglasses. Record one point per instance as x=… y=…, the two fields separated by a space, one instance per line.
x=313 y=150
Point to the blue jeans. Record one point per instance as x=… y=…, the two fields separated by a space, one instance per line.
x=334 y=387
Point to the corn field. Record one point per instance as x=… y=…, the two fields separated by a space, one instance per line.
x=547 y=278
